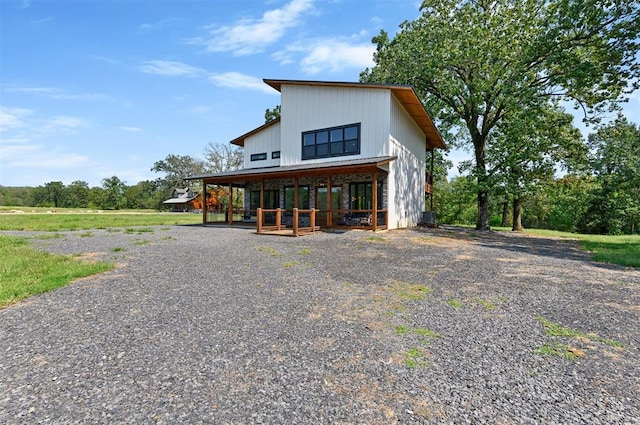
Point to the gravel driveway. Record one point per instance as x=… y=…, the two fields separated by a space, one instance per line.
x=222 y=326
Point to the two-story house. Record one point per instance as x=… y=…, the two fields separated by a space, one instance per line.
x=356 y=153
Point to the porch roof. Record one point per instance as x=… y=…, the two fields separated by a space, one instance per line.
x=350 y=166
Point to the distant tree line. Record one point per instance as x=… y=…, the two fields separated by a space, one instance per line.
x=115 y=194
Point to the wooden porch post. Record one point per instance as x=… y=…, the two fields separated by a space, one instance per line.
x=431 y=174
x=296 y=197
x=204 y=202
x=295 y=220
x=262 y=193
x=259 y=221
x=374 y=198
x=230 y=218
x=329 y=212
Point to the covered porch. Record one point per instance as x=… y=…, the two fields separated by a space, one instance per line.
x=304 y=198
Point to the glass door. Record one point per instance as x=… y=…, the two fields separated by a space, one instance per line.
x=321 y=205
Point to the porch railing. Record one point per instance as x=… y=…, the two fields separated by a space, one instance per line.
x=302 y=221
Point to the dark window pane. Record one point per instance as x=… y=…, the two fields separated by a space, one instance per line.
x=337 y=148
x=336 y=135
x=323 y=150
x=275 y=154
x=309 y=152
x=322 y=137
x=351 y=133
x=309 y=139
x=351 y=146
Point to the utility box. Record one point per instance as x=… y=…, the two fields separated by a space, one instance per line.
x=429 y=219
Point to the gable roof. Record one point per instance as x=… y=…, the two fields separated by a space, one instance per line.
x=405 y=94
x=239 y=141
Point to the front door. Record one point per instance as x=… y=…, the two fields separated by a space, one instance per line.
x=321 y=205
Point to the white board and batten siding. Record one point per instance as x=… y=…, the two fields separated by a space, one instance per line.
x=407 y=173
x=308 y=108
x=266 y=141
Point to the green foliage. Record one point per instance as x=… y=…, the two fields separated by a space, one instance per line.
x=25 y=271
x=272 y=114
x=478 y=65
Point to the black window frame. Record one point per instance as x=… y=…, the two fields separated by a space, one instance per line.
x=331 y=142
x=259 y=156
x=275 y=155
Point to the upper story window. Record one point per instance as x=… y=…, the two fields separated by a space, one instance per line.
x=328 y=142
x=259 y=156
x=275 y=154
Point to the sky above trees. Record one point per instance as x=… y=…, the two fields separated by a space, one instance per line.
x=94 y=89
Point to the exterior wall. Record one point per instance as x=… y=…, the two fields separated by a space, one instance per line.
x=306 y=108
x=407 y=173
x=266 y=141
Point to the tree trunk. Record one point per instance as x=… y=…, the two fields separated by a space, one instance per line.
x=517 y=216
x=481 y=174
x=505 y=213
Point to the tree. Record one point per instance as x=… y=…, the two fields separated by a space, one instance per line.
x=113 y=193
x=272 y=114
x=223 y=157
x=77 y=194
x=615 y=205
x=176 y=168
x=478 y=62
x=143 y=195
x=524 y=153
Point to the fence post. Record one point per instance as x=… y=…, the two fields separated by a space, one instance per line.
x=313 y=220
x=259 y=221
x=295 y=221
x=278 y=218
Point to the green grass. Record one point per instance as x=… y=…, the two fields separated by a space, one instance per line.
x=25 y=271
x=555 y=329
x=269 y=250
x=623 y=250
x=415 y=357
x=559 y=350
x=86 y=219
x=455 y=303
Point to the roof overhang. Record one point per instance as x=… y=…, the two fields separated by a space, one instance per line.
x=353 y=166
x=405 y=94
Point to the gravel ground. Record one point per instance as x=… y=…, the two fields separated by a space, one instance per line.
x=219 y=325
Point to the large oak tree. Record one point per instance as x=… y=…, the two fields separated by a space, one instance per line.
x=477 y=63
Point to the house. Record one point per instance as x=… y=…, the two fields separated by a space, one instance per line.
x=341 y=154
x=182 y=199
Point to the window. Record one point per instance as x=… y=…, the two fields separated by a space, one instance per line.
x=275 y=154
x=328 y=142
x=290 y=196
x=259 y=156
x=271 y=199
x=361 y=196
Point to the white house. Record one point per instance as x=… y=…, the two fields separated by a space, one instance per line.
x=332 y=145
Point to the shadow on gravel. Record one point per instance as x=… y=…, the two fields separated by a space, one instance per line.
x=522 y=243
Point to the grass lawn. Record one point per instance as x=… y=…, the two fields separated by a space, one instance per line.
x=25 y=271
x=623 y=250
x=38 y=219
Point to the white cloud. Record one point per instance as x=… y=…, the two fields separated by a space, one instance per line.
x=40 y=158
x=238 y=80
x=132 y=129
x=170 y=68
x=331 y=55
x=149 y=26
x=56 y=93
x=63 y=123
x=12 y=118
x=249 y=36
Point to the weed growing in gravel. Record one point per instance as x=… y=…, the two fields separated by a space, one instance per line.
x=169 y=238
x=142 y=242
x=117 y=249
x=402 y=329
x=269 y=250
x=304 y=251
x=455 y=303
x=85 y=234
x=560 y=350
x=411 y=292
x=415 y=357
x=425 y=332
x=490 y=303
x=289 y=264
x=555 y=329
x=49 y=236
x=113 y=229
x=131 y=230
x=376 y=239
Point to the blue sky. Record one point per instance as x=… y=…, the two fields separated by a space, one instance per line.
x=90 y=89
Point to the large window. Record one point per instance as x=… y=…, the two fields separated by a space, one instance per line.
x=290 y=196
x=361 y=196
x=271 y=199
x=328 y=142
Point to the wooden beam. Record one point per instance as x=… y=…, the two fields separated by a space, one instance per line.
x=374 y=198
x=230 y=218
x=329 y=193
x=204 y=203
